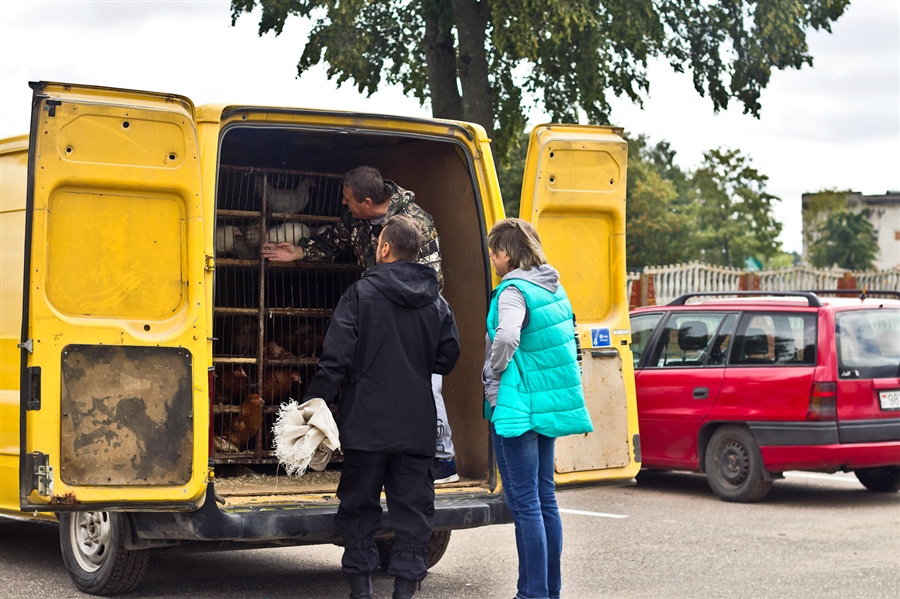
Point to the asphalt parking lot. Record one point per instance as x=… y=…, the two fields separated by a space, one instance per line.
x=814 y=536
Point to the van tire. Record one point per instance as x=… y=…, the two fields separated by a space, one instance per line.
x=734 y=466
x=437 y=546
x=93 y=550
x=880 y=480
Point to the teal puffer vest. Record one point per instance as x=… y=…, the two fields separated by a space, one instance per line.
x=540 y=390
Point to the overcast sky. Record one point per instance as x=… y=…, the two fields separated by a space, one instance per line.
x=836 y=125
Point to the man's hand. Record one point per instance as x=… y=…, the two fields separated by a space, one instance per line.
x=282 y=252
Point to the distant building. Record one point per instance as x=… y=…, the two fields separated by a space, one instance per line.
x=884 y=214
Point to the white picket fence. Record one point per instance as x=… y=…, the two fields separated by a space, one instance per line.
x=677 y=279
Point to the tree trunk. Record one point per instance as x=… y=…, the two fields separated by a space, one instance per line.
x=471 y=18
x=440 y=55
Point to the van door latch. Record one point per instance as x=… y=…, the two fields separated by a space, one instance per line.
x=41 y=473
x=32 y=389
x=29 y=345
x=50 y=106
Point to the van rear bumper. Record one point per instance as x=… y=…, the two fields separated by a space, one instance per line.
x=296 y=524
x=830 y=458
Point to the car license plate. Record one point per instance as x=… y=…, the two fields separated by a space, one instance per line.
x=890 y=400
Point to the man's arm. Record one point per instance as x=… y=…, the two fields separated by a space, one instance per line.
x=338 y=351
x=448 y=345
x=323 y=246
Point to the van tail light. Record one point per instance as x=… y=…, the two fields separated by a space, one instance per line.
x=822 y=402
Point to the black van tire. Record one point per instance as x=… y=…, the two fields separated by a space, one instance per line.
x=881 y=480
x=437 y=546
x=93 y=550
x=734 y=466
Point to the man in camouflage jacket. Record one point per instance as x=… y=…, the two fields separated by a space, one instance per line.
x=370 y=200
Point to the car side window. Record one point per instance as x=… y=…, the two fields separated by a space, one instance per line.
x=777 y=339
x=642 y=326
x=686 y=339
x=718 y=351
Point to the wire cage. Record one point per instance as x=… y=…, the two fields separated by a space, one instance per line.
x=269 y=317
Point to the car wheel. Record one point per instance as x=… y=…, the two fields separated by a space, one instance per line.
x=93 y=550
x=437 y=546
x=734 y=466
x=882 y=480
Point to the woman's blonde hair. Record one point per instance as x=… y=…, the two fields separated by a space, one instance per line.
x=520 y=241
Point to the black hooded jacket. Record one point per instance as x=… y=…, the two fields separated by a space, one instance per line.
x=390 y=331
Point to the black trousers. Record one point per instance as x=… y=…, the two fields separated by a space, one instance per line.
x=408 y=482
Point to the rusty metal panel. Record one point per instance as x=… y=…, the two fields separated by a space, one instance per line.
x=126 y=415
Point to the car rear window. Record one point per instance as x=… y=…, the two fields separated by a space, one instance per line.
x=775 y=339
x=868 y=343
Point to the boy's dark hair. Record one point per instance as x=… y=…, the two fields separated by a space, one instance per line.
x=405 y=237
x=367 y=182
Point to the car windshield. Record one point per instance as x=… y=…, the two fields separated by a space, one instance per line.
x=868 y=343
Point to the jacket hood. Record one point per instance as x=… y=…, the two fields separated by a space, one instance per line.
x=407 y=284
x=544 y=276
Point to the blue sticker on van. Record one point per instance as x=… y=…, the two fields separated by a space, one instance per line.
x=600 y=338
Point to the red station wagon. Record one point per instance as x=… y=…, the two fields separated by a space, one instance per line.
x=744 y=389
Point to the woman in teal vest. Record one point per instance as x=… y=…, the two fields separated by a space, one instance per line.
x=533 y=394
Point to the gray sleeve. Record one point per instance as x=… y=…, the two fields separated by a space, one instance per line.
x=511 y=315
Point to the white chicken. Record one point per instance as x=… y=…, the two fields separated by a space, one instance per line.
x=289 y=200
x=292 y=232
x=225 y=238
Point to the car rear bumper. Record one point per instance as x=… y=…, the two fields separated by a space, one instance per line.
x=295 y=524
x=830 y=458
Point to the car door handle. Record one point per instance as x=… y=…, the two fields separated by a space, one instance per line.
x=701 y=392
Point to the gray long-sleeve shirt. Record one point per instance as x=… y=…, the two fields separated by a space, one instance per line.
x=512 y=317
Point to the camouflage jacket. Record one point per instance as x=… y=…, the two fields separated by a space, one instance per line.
x=360 y=238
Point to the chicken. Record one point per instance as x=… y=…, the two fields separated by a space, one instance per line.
x=239 y=429
x=276 y=352
x=246 y=247
x=229 y=384
x=305 y=340
x=289 y=198
x=225 y=238
x=277 y=384
x=292 y=232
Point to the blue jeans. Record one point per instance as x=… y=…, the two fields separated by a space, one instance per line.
x=526 y=469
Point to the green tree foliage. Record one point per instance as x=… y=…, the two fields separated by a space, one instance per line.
x=733 y=215
x=846 y=239
x=482 y=60
x=816 y=208
x=659 y=211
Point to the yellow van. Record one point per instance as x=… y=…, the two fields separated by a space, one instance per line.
x=137 y=315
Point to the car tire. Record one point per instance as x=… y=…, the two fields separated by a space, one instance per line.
x=880 y=480
x=437 y=546
x=734 y=466
x=94 y=553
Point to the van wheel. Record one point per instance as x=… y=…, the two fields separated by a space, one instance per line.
x=93 y=550
x=734 y=466
x=437 y=546
x=881 y=480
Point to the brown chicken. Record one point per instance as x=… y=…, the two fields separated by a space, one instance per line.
x=305 y=340
x=231 y=381
x=277 y=384
x=276 y=352
x=239 y=429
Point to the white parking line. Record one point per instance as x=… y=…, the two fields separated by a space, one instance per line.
x=594 y=514
x=829 y=477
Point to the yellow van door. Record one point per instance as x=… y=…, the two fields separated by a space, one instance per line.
x=114 y=369
x=574 y=193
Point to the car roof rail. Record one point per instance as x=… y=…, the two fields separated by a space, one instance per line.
x=861 y=293
x=810 y=296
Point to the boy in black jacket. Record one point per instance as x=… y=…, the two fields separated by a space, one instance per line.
x=390 y=331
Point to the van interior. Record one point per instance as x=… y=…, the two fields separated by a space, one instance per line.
x=270 y=318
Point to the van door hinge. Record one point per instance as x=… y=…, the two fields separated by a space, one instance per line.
x=210 y=263
x=50 y=106
x=29 y=345
x=33 y=389
x=41 y=473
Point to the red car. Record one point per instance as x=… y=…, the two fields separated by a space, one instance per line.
x=744 y=389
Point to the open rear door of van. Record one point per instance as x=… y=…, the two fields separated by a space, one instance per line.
x=114 y=350
x=574 y=193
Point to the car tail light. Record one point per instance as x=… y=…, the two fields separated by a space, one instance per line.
x=822 y=402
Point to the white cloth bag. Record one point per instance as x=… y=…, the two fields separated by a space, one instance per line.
x=305 y=436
